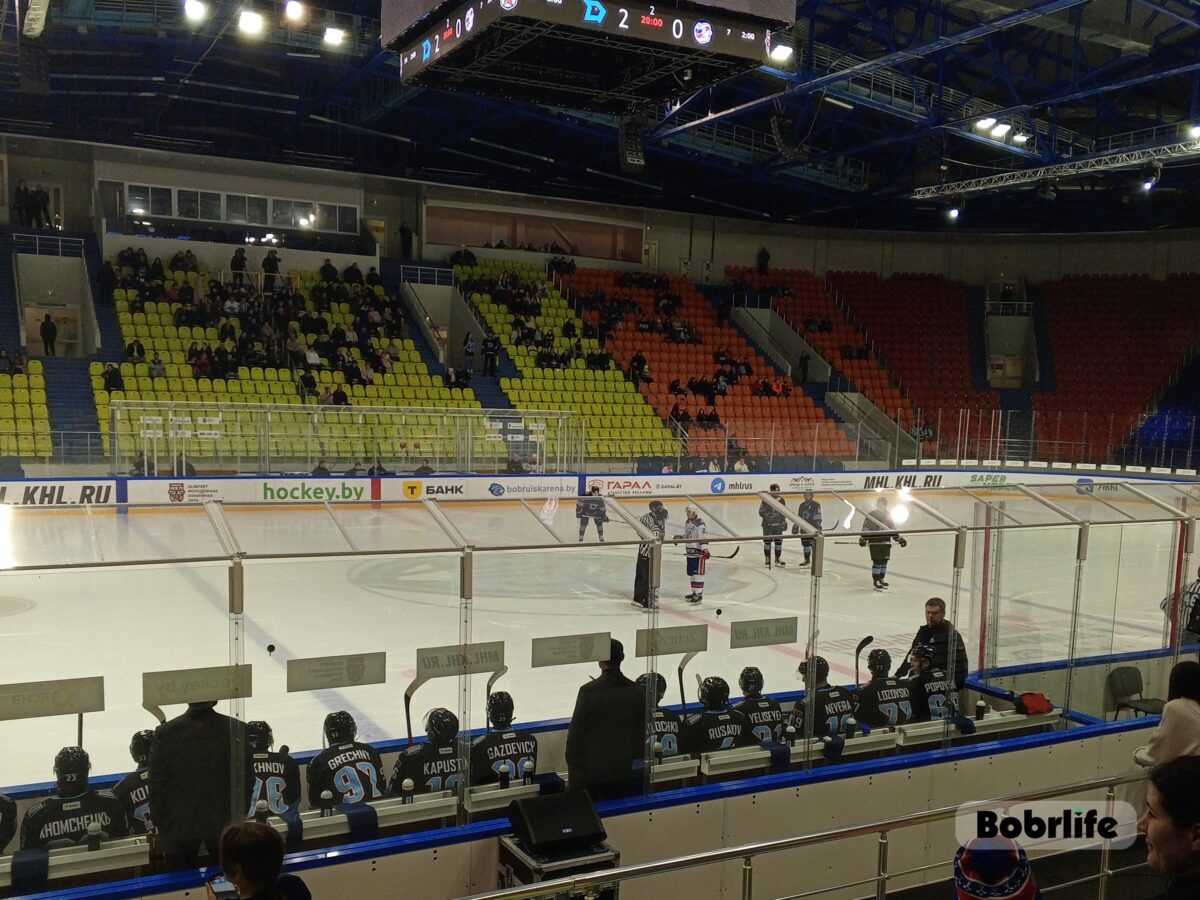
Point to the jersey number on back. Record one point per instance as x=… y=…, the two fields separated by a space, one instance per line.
x=273 y=788
x=350 y=785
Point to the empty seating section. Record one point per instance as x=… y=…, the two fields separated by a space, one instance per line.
x=618 y=420
x=918 y=323
x=24 y=420
x=1116 y=340
x=800 y=298
x=760 y=426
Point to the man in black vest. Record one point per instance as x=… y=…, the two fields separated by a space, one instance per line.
x=607 y=732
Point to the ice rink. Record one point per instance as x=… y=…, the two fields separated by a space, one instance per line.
x=119 y=622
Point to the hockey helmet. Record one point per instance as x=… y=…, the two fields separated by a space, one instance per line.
x=690 y=512
x=751 y=681
x=775 y=489
x=340 y=727
x=595 y=490
x=259 y=736
x=139 y=746
x=441 y=725
x=808 y=495
x=879 y=662
x=658 y=510
x=71 y=767
x=714 y=692
x=500 y=709
x=660 y=684
x=818 y=665
x=923 y=653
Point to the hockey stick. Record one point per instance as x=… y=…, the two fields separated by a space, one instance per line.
x=858 y=653
x=408 y=695
x=491 y=681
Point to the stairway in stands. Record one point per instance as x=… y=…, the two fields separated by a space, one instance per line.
x=977 y=336
x=72 y=409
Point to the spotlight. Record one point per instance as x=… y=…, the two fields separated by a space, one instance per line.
x=780 y=46
x=250 y=22
x=195 y=10
x=781 y=53
x=952 y=213
x=985 y=124
x=1194 y=132
x=1020 y=138
x=293 y=10
x=1151 y=173
x=1001 y=130
x=899 y=513
x=334 y=36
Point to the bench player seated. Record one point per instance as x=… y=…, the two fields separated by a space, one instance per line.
x=833 y=705
x=503 y=746
x=62 y=819
x=276 y=775
x=665 y=727
x=716 y=726
x=351 y=771
x=932 y=691
x=883 y=700
x=766 y=718
x=8 y=820
x=434 y=765
x=134 y=789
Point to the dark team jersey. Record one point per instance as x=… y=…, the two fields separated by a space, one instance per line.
x=352 y=772
x=431 y=768
x=666 y=728
x=66 y=820
x=712 y=730
x=885 y=701
x=591 y=508
x=833 y=706
x=766 y=718
x=773 y=521
x=498 y=748
x=8 y=820
x=134 y=792
x=276 y=780
x=810 y=512
x=932 y=692
x=877 y=527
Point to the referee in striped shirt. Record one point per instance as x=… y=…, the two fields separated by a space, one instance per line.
x=654 y=521
x=1190 y=617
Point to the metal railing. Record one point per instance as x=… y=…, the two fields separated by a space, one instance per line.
x=46 y=244
x=587 y=884
x=427 y=275
x=435 y=335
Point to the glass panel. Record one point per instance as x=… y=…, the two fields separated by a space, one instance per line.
x=210 y=206
x=256 y=210
x=348 y=219
x=160 y=202
x=281 y=213
x=303 y=214
x=189 y=204
x=235 y=209
x=327 y=218
x=138 y=200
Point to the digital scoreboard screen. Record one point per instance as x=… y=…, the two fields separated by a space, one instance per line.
x=774 y=10
x=726 y=35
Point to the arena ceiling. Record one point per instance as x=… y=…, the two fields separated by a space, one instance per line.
x=885 y=101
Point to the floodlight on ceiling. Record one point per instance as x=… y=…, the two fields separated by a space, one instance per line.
x=952 y=213
x=780 y=44
x=293 y=10
x=334 y=36
x=985 y=124
x=1020 y=138
x=1151 y=173
x=1001 y=130
x=1194 y=132
x=250 y=22
x=781 y=53
x=195 y=10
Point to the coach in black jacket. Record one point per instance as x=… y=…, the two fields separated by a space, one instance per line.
x=936 y=632
x=195 y=790
x=607 y=732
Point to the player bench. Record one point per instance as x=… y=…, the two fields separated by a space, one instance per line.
x=1008 y=722
x=76 y=862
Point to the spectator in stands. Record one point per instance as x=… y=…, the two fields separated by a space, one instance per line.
x=1171 y=823
x=41 y=207
x=183 y=468
x=107 y=279
x=607 y=731
x=515 y=466
x=156 y=272
x=158 y=368
x=112 y=378
x=676 y=388
x=424 y=468
x=378 y=469
x=780 y=388
x=326 y=398
x=339 y=397
x=491 y=354
x=20 y=362
x=763 y=261
x=406 y=241
x=355 y=469
x=802 y=365
x=372 y=278
x=135 y=352
x=713 y=465
x=320 y=468
x=237 y=266
x=468 y=349
x=1178 y=732
x=49 y=333
x=740 y=465
x=270 y=267
x=6 y=363
x=720 y=384
x=307 y=385
x=328 y=271
x=251 y=856
x=764 y=388
x=352 y=274
x=21 y=203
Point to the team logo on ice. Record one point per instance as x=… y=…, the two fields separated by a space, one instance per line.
x=718 y=485
x=175 y=491
x=496 y=489
x=412 y=490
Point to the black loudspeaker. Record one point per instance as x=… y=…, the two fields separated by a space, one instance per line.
x=555 y=824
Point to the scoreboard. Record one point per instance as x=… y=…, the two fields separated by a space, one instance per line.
x=732 y=34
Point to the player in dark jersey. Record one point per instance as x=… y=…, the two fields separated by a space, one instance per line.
x=591 y=507
x=878 y=532
x=8 y=820
x=883 y=700
x=502 y=746
x=766 y=718
x=773 y=524
x=63 y=819
x=716 y=727
x=810 y=512
x=666 y=727
x=351 y=771
x=833 y=705
x=932 y=691
x=276 y=775
x=134 y=789
x=434 y=765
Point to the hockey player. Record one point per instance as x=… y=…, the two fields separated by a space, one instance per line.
x=276 y=775
x=716 y=727
x=351 y=771
x=878 y=532
x=8 y=820
x=810 y=512
x=591 y=507
x=766 y=718
x=932 y=693
x=697 y=553
x=134 y=789
x=666 y=726
x=502 y=746
x=773 y=524
x=884 y=700
x=655 y=521
x=63 y=818
x=434 y=765
x=833 y=705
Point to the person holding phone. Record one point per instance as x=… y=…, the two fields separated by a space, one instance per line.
x=252 y=864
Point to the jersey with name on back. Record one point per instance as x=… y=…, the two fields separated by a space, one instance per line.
x=134 y=792
x=58 y=819
x=832 y=707
x=931 y=693
x=497 y=748
x=766 y=718
x=666 y=729
x=276 y=780
x=352 y=772
x=8 y=820
x=885 y=701
x=432 y=768
x=712 y=730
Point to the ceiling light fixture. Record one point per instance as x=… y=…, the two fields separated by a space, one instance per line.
x=985 y=124
x=293 y=10
x=195 y=10
x=1001 y=130
x=250 y=22
x=334 y=36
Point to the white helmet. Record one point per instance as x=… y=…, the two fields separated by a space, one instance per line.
x=689 y=511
